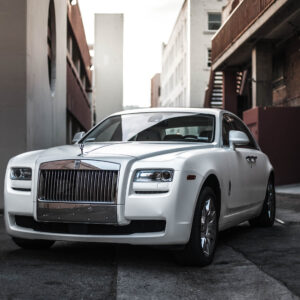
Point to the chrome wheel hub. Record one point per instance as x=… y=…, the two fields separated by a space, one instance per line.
x=208 y=227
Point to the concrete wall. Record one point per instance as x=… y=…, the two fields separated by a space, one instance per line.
x=198 y=49
x=12 y=83
x=31 y=116
x=155 y=90
x=46 y=109
x=108 y=62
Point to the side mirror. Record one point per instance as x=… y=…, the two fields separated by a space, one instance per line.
x=237 y=138
x=78 y=136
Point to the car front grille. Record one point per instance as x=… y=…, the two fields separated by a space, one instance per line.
x=78 y=185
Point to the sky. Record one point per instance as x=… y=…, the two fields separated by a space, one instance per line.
x=147 y=24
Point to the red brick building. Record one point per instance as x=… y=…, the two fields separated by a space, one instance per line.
x=258 y=51
x=79 y=75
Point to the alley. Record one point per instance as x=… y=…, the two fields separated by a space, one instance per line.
x=250 y=263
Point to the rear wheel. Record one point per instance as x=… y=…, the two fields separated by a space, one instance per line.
x=33 y=244
x=202 y=244
x=267 y=215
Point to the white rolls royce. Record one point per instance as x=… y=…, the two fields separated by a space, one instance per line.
x=169 y=176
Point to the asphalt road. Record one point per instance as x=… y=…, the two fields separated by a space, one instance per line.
x=250 y=263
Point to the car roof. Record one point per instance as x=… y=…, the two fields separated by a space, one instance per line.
x=213 y=111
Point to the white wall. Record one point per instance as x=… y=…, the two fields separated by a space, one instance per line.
x=196 y=44
x=30 y=116
x=174 y=79
x=108 y=62
x=200 y=43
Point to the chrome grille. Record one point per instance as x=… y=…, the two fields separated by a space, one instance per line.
x=78 y=185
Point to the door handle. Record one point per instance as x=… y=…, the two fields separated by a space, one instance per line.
x=251 y=159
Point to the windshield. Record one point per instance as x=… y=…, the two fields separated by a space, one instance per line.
x=158 y=127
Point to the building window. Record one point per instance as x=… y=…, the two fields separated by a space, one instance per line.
x=279 y=63
x=214 y=21
x=69 y=40
x=209 y=57
x=51 y=39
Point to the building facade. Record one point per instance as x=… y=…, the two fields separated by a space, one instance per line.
x=108 y=63
x=34 y=80
x=155 y=90
x=79 y=75
x=186 y=58
x=258 y=51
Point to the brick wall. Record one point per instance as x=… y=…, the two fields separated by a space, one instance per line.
x=288 y=94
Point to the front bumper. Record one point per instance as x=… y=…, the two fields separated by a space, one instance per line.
x=174 y=207
x=172 y=233
x=165 y=237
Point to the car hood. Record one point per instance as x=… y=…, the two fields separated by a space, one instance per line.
x=138 y=150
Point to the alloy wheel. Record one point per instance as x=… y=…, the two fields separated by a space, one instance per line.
x=208 y=227
x=270 y=200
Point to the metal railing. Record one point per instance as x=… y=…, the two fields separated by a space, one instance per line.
x=237 y=23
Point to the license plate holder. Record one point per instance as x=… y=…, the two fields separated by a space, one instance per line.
x=64 y=212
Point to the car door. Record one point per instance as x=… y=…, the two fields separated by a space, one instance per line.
x=256 y=161
x=245 y=164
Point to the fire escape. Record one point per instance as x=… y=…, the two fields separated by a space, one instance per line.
x=214 y=92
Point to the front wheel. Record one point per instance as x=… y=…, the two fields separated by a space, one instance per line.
x=33 y=244
x=203 y=239
x=267 y=215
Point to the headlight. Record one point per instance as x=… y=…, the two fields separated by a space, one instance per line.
x=154 y=175
x=20 y=174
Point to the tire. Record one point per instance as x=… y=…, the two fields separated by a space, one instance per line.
x=267 y=215
x=33 y=244
x=200 y=249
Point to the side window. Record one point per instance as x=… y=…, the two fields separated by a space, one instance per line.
x=226 y=127
x=238 y=125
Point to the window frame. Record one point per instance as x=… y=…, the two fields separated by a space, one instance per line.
x=209 y=22
x=252 y=142
x=209 y=58
x=213 y=139
x=51 y=45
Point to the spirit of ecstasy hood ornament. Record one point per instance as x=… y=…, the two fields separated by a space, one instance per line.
x=81 y=146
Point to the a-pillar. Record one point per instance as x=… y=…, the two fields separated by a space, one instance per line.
x=262 y=74
x=229 y=90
